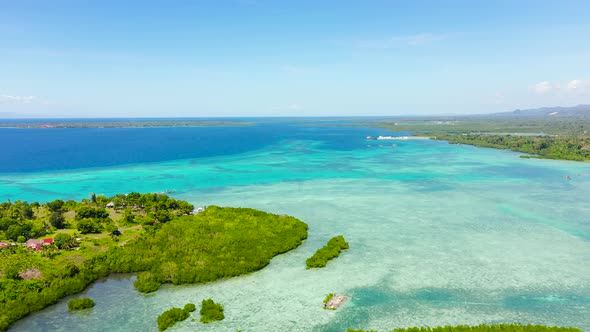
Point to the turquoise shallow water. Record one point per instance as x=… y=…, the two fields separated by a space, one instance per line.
x=439 y=234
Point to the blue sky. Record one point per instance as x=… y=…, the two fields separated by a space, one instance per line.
x=282 y=58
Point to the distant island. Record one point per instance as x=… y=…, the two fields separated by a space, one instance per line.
x=579 y=111
x=122 y=124
x=551 y=133
x=55 y=249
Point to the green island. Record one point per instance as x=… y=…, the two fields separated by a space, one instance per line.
x=171 y=316
x=125 y=124
x=57 y=249
x=326 y=253
x=483 y=328
x=211 y=311
x=548 y=138
x=79 y=304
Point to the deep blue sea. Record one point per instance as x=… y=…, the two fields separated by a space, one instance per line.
x=30 y=150
x=439 y=234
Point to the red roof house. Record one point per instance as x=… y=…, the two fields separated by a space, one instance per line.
x=34 y=244
x=47 y=242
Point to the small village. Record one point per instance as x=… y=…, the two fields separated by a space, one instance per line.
x=31 y=244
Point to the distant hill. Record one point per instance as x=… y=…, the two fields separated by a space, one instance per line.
x=574 y=111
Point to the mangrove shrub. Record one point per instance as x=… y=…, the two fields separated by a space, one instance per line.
x=328 y=252
x=79 y=304
x=211 y=311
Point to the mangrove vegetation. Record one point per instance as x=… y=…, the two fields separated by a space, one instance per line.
x=79 y=304
x=148 y=233
x=171 y=316
x=328 y=252
x=211 y=311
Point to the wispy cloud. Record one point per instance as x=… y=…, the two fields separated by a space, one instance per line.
x=7 y=99
x=413 y=40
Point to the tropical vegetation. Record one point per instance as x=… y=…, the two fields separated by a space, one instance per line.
x=190 y=307
x=79 y=304
x=328 y=252
x=211 y=311
x=169 y=317
x=159 y=237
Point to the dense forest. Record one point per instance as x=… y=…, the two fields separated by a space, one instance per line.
x=331 y=250
x=155 y=234
x=483 y=328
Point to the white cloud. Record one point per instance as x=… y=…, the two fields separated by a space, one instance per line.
x=549 y=93
x=6 y=99
x=543 y=87
x=556 y=88
x=578 y=85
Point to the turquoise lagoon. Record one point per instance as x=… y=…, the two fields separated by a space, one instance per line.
x=439 y=234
